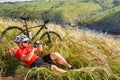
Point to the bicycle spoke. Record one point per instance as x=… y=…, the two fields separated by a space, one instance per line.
x=8 y=34
x=52 y=38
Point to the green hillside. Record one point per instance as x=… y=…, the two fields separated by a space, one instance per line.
x=96 y=56
x=57 y=11
x=108 y=20
x=67 y=12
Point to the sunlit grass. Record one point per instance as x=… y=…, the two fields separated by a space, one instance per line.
x=94 y=55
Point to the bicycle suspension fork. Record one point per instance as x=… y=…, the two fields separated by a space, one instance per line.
x=48 y=35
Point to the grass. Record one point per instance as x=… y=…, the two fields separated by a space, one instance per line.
x=95 y=56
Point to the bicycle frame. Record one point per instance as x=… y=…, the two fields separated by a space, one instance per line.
x=40 y=29
x=45 y=36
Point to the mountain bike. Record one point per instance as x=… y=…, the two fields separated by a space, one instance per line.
x=46 y=36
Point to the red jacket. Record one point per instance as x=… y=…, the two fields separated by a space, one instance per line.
x=25 y=51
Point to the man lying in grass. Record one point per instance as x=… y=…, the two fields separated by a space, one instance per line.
x=26 y=54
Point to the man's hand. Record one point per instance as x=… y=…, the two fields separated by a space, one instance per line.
x=7 y=52
x=11 y=51
x=40 y=42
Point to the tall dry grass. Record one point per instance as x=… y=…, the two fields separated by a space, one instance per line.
x=96 y=56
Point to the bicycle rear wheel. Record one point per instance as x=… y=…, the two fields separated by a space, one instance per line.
x=8 y=34
x=49 y=37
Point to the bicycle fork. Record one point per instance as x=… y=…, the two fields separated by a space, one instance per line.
x=48 y=35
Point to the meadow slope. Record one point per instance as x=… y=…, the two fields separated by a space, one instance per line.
x=96 y=56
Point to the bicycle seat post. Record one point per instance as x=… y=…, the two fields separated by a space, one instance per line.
x=26 y=27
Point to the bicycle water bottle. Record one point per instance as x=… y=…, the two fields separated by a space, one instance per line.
x=30 y=35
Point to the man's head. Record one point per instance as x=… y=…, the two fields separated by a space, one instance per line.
x=22 y=40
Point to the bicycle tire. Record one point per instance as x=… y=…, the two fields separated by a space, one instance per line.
x=10 y=32
x=51 y=36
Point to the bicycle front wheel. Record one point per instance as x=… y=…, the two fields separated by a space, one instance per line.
x=50 y=37
x=8 y=34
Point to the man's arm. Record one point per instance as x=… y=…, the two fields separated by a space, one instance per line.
x=28 y=56
x=38 y=45
x=39 y=49
x=36 y=48
x=11 y=51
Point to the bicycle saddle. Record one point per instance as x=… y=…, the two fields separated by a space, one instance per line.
x=24 y=18
x=46 y=21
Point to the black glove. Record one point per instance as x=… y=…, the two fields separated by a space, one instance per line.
x=37 y=43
